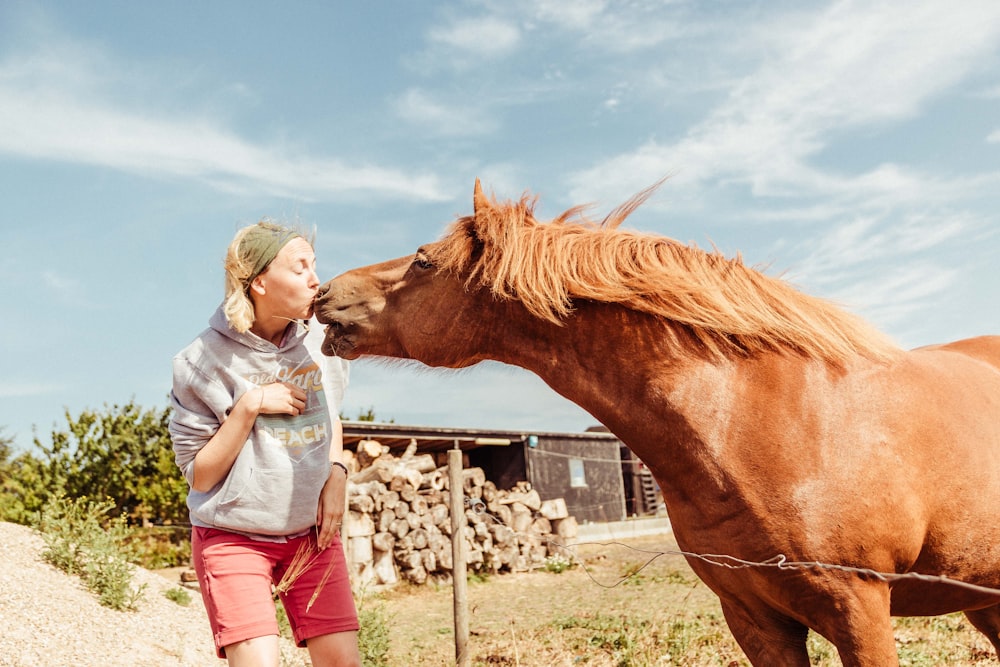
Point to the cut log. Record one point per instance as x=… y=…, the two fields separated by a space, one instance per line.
x=554 y=508
x=383 y=541
x=403 y=546
x=419 y=540
x=388 y=499
x=472 y=477
x=380 y=470
x=410 y=450
x=529 y=499
x=349 y=459
x=416 y=575
x=385 y=519
x=410 y=560
x=503 y=514
x=440 y=514
x=435 y=479
x=521 y=522
x=408 y=492
x=429 y=560
x=359 y=503
x=357 y=524
x=419 y=505
x=360 y=549
x=490 y=492
x=541 y=526
x=422 y=463
x=565 y=528
x=384 y=568
x=367 y=452
x=502 y=535
x=399 y=528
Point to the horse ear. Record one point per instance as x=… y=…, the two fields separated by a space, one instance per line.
x=479 y=200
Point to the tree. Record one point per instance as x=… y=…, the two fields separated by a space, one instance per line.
x=22 y=484
x=123 y=455
x=367 y=415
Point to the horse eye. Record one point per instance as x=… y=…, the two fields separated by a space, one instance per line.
x=422 y=262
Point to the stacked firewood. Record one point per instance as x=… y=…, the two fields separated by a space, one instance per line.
x=398 y=521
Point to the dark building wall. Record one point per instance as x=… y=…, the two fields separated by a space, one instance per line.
x=642 y=495
x=586 y=473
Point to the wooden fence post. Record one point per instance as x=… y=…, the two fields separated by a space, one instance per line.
x=458 y=572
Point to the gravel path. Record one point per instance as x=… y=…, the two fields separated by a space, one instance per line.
x=49 y=618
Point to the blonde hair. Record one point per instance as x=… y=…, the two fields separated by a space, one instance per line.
x=244 y=262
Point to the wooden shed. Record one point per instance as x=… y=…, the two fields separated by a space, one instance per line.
x=585 y=469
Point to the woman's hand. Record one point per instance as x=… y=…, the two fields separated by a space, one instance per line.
x=281 y=398
x=214 y=461
x=332 y=503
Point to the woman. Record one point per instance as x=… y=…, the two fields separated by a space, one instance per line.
x=255 y=432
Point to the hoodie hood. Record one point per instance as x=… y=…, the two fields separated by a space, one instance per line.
x=219 y=323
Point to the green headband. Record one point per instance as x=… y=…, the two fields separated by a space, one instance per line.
x=261 y=244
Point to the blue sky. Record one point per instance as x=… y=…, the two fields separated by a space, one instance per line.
x=852 y=147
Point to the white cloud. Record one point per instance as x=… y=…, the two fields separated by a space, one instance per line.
x=609 y=26
x=486 y=36
x=581 y=15
x=458 y=119
x=993 y=137
x=849 y=66
x=63 y=110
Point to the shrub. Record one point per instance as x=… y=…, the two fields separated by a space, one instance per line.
x=81 y=539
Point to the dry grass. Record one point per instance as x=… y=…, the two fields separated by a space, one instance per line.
x=660 y=615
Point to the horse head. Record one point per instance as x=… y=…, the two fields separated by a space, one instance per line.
x=425 y=306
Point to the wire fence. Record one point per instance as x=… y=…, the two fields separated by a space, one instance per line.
x=776 y=562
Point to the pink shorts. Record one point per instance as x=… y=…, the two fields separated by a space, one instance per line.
x=236 y=575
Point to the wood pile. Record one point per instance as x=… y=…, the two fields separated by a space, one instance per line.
x=398 y=519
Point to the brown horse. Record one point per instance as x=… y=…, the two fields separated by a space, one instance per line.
x=778 y=426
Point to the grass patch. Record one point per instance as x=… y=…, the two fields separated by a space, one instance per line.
x=373 y=637
x=178 y=595
x=661 y=616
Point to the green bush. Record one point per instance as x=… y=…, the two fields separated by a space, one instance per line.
x=161 y=546
x=81 y=539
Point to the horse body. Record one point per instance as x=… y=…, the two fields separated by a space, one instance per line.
x=882 y=460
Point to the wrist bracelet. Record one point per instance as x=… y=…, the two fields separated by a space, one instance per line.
x=339 y=465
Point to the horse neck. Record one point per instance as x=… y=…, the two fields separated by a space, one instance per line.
x=611 y=361
x=640 y=377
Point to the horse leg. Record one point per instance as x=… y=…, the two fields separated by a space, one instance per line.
x=766 y=637
x=859 y=625
x=987 y=621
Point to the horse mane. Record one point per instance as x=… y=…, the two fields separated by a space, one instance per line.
x=729 y=308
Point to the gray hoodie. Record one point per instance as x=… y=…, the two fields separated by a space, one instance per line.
x=272 y=490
